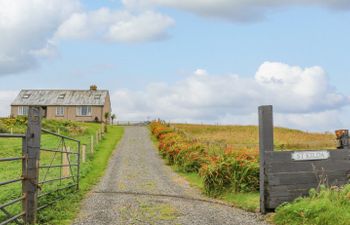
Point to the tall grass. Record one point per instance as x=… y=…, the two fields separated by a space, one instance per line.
x=246 y=137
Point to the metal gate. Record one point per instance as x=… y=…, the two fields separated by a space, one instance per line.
x=42 y=178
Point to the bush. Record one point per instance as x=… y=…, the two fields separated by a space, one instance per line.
x=65 y=126
x=228 y=173
x=3 y=128
x=221 y=169
x=17 y=124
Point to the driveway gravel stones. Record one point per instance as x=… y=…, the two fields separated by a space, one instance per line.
x=138 y=188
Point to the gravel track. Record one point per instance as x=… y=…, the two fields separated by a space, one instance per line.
x=138 y=188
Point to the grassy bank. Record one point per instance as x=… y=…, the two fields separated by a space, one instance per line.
x=66 y=210
x=247 y=201
x=329 y=206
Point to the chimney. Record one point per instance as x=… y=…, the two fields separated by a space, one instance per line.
x=93 y=88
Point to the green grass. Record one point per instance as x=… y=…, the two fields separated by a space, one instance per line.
x=66 y=210
x=90 y=171
x=248 y=201
x=328 y=207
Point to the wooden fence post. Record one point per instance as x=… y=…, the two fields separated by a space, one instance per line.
x=65 y=162
x=342 y=139
x=97 y=139
x=83 y=153
x=30 y=165
x=92 y=144
x=265 y=145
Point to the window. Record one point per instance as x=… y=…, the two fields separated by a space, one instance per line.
x=61 y=96
x=59 y=111
x=23 y=110
x=26 y=96
x=84 y=110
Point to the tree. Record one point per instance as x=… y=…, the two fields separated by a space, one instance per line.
x=113 y=116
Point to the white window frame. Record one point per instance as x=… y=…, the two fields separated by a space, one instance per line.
x=80 y=110
x=61 y=96
x=23 y=110
x=60 y=110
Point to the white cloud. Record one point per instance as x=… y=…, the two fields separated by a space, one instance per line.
x=6 y=97
x=302 y=98
x=116 y=26
x=26 y=27
x=32 y=29
x=235 y=10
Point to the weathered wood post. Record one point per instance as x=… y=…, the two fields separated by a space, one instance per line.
x=92 y=144
x=65 y=163
x=265 y=145
x=30 y=165
x=342 y=138
x=97 y=139
x=83 y=153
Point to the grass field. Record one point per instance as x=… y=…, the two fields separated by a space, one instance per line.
x=90 y=171
x=246 y=137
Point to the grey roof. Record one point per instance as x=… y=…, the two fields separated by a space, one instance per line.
x=51 y=97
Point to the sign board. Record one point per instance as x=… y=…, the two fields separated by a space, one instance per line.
x=310 y=155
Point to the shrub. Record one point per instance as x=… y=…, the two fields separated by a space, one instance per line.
x=221 y=169
x=3 y=128
x=229 y=173
x=65 y=126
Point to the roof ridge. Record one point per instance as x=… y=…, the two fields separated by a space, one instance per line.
x=62 y=90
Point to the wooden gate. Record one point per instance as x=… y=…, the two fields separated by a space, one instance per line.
x=286 y=175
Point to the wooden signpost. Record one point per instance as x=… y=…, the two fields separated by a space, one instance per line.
x=287 y=175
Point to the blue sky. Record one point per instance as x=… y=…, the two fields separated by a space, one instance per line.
x=176 y=50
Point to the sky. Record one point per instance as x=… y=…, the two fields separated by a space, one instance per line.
x=198 y=61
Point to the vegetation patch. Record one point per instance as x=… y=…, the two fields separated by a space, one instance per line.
x=63 y=211
x=223 y=161
x=325 y=207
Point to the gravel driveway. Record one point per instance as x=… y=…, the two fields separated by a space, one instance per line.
x=138 y=188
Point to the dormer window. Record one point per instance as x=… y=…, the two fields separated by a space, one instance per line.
x=97 y=97
x=61 y=96
x=25 y=96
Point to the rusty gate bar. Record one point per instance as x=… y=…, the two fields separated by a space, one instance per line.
x=70 y=165
x=12 y=218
